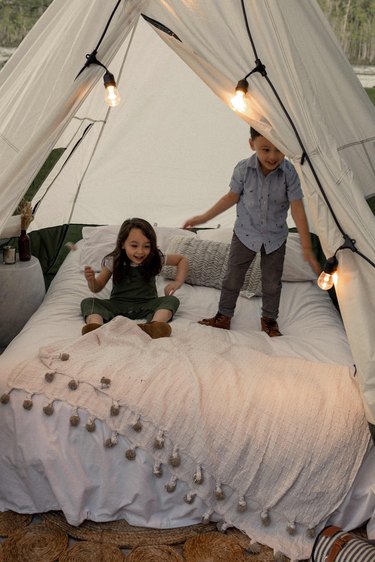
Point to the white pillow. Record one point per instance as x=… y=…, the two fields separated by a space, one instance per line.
x=98 y=241
x=216 y=234
x=295 y=267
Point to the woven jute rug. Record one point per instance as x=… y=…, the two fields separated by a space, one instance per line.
x=153 y=554
x=123 y=535
x=35 y=543
x=10 y=521
x=213 y=546
x=86 y=551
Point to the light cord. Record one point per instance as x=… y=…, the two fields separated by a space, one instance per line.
x=348 y=242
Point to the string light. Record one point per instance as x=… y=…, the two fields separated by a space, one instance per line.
x=238 y=101
x=112 y=95
x=328 y=277
x=348 y=242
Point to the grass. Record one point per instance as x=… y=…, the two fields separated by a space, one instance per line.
x=371 y=94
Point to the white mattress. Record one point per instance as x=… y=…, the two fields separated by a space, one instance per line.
x=47 y=465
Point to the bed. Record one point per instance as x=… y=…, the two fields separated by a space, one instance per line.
x=267 y=435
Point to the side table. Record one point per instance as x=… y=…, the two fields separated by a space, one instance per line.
x=22 y=290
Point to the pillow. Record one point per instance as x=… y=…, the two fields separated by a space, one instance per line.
x=98 y=241
x=216 y=234
x=295 y=267
x=207 y=264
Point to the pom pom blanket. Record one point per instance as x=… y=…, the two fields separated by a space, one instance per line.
x=271 y=444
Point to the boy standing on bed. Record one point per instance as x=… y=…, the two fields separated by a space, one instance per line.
x=263 y=187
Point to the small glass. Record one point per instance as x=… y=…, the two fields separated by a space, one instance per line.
x=9 y=255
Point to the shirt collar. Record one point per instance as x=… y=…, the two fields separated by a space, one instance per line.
x=254 y=163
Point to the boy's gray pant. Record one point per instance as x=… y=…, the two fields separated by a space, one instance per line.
x=240 y=258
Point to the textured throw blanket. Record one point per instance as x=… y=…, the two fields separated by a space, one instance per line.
x=265 y=441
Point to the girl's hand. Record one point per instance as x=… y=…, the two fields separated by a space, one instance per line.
x=89 y=273
x=171 y=288
x=96 y=284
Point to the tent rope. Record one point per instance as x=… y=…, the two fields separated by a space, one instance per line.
x=348 y=242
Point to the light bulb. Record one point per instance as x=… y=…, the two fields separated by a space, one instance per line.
x=325 y=281
x=112 y=95
x=238 y=101
x=328 y=277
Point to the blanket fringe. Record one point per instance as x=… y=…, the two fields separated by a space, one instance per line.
x=115 y=409
x=174 y=460
x=73 y=384
x=254 y=548
x=157 y=469
x=171 y=485
x=74 y=418
x=206 y=517
x=189 y=497
x=49 y=376
x=130 y=453
x=219 y=492
x=91 y=425
x=159 y=440
x=137 y=426
x=198 y=475
x=111 y=441
x=28 y=403
x=242 y=504
x=265 y=518
x=49 y=409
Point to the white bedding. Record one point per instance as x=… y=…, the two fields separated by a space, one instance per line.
x=47 y=464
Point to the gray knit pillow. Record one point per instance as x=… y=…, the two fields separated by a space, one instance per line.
x=207 y=264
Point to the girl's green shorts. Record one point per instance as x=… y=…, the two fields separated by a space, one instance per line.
x=109 y=308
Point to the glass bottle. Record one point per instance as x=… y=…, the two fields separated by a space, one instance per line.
x=24 y=246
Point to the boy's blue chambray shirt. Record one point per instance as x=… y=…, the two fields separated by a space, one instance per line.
x=264 y=202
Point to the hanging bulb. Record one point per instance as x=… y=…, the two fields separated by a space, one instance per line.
x=238 y=102
x=328 y=277
x=112 y=95
x=239 y=99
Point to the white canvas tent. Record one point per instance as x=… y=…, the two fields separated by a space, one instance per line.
x=145 y=163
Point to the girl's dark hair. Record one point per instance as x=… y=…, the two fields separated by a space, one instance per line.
x=152 y=264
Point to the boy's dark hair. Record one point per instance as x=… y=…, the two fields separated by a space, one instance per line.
x=254 y=134
x=152 y=264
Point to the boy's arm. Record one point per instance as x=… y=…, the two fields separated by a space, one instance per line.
x=224 y=203
x=299 y=216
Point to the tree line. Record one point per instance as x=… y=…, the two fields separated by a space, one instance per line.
x=353 y=22
x=17 y=17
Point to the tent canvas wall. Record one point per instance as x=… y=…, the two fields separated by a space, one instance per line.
x=171 y=135
x=308 y=102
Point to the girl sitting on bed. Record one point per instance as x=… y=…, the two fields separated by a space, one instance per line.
x=134 y=264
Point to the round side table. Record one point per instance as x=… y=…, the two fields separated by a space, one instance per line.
x=22 y=290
